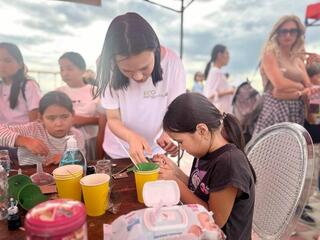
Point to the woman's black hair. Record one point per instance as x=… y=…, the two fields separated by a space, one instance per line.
x=76 y=59
x=190 y=109
x=55 y=98
x=127 y=35
x=19 y=79
x=219 y=48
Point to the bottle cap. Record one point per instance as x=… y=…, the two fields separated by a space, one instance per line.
x=12 y=210
x=71 y=142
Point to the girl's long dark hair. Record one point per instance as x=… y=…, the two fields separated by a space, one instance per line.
x=128 y=35
x=19 y=79
x=190 y=109
x=219 y=48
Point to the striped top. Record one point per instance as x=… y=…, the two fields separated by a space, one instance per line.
x=8 y=135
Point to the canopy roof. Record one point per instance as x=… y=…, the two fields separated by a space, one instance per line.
x=91 y=2
x=313 y=15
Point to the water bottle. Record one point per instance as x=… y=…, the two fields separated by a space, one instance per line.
x=73 y=155
x=3 y=194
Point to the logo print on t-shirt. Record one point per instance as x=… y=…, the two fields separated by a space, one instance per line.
x=153 y=94
x=204 y=188
x=196 y=177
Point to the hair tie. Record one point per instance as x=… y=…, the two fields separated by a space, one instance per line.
x=224 y=115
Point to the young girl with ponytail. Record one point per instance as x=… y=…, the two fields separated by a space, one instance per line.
x=221 y=178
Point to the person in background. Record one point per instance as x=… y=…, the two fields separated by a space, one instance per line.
x=222 y=178
x=198 y=82
x=312 y=124
x=43 y=140
x=285 y=79
x=89 y=77
x=217 y=88
x=86 y=119
x=19 y=95
x=138 y=79
x=284 y=75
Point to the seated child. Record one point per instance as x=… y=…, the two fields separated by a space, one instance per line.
x=44 y=140
x=221 y=178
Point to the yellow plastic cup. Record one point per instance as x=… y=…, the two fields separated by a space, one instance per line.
x=95 y=189
x=147 y=172
x=67 y=180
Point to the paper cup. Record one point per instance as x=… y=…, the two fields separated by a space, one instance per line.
x=147 y=172
x=67 y=180
x=95 y=188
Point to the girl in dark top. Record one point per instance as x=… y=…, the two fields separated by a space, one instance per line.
x=221 y=177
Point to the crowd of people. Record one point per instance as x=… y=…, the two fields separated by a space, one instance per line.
x=137 y=106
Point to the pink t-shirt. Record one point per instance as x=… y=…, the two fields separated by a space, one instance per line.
x=19 y=114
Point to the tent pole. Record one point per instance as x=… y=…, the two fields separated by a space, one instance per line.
x=181 y=28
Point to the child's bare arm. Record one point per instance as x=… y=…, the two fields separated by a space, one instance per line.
x=221 y=204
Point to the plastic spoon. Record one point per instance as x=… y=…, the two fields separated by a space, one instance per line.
x=41 y=178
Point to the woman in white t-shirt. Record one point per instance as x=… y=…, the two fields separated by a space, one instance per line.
x=72 y=68
x=19 y=96
x=217 y=88
x=138 y=79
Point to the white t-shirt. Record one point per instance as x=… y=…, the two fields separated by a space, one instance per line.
x=19 y=114
x=143 y=105
x=217 y=82
x=84 y=105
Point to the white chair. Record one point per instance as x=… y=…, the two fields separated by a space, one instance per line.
x=282 y=157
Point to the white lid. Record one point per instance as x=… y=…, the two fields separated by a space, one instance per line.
x=164 y=192
x=67 y=170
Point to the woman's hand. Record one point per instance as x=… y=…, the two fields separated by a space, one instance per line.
x=168 y=169
x=165 y=142
x=137 y=146
x=34 y=145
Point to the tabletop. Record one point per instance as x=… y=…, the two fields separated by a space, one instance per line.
x=123 y=193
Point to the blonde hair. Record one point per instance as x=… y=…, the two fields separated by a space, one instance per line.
x=272 y=44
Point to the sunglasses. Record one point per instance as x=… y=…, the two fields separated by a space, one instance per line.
x=292 y=32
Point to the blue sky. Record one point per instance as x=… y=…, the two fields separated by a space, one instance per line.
x=45 y=29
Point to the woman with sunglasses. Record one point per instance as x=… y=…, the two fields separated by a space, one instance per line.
x=284 y=75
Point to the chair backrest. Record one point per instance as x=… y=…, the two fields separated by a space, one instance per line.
x=282 y=157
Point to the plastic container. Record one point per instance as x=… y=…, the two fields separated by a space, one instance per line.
x=56 y=220
x=73 y=155
x=162 y=215
x=30 y=195
x=17 y=182
x=163 y=219
x=67 y=180
x=147 y=172
x=3 y=193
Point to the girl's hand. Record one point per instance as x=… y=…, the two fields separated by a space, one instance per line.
x=53 y=160
x=168 y=168
x=137 y=146
x=165 y=142
x=34 y=145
